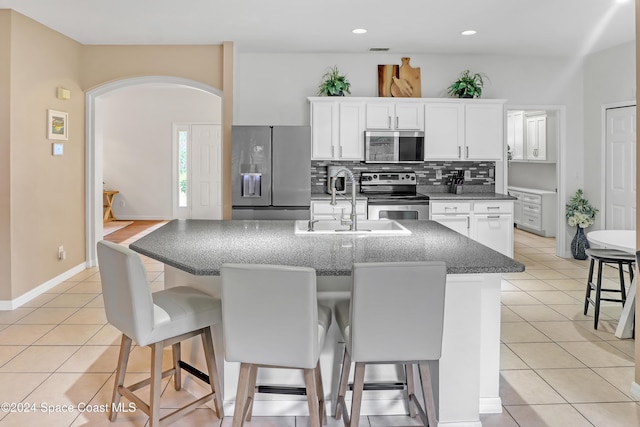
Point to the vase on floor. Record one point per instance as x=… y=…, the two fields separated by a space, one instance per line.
x=579 y=244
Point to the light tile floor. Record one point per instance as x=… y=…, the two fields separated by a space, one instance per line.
x=556 y=370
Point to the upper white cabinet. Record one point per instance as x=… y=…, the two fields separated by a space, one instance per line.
x=337 y=130
x=394 y=115
x=464 y=130
x=536 y=126
x=455 y=129
x=515 y=134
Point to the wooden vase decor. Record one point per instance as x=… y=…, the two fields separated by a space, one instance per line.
x=399 y=81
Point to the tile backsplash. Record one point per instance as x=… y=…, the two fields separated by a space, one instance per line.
x=482 y=173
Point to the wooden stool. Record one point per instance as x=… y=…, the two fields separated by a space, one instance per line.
x=606 y=256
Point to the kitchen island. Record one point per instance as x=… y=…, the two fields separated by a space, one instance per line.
x=467 y=377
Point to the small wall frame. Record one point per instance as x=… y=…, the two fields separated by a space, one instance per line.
x=57 y=125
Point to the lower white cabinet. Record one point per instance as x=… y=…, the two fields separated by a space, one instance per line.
x=489 y=223
x=538 y=210
x=323 y=210
x=454 y=215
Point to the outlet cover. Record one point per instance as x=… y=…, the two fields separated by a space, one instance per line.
x=467 y=174
x=439 y=174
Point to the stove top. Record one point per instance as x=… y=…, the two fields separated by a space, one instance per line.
x=391 y=188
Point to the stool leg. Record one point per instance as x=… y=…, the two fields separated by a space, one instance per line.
x=212 y=367
x=623 y=291
x=123 y=359
x=253 y=375
x=320 y=387
x=241 y=395
x=427 y=391
x=344 y=379
x=589 y=281
x=177 y=374
x=312 y=397
x=596 y=315
x=156 y=386
x=408 y=367
x=358 y=385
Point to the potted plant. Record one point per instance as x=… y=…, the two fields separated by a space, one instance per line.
x=468 y=85
x=334 y=83
x=580 y=214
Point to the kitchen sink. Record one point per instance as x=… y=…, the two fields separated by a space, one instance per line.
x=365 y=227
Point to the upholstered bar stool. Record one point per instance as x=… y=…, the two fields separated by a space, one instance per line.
x=606 y=256
x=395 y=315
x=271 y=318
x=156 y=320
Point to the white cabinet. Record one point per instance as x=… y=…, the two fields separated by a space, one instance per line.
x=337 y=130
x=394 y=116
x=536 y=127
x=489 y=223
x=484 y=132
x=539 y=210
x=444 y=131
x=464 y=130
x=454 y=215
x=517 y=206
x=323 y=210
x=492 y=225
x=515 y=134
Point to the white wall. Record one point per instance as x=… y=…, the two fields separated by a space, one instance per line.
x=136 y=124
x=610 y=77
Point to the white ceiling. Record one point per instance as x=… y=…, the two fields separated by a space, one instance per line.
x=530 y=27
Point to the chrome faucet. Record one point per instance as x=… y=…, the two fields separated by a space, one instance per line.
x=353 y=218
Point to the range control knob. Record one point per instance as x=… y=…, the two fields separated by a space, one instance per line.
x=375 y=176
x=407 y=176
x=413 y=178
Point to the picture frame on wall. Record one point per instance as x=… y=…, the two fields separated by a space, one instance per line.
x=57 y=125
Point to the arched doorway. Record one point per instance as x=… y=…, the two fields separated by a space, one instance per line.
x=94 y=149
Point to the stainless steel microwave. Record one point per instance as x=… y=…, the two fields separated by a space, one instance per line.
x=394 y=146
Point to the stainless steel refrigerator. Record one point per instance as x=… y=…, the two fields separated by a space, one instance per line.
x=271 y=172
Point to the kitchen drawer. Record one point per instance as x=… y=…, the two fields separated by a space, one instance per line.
x=492 y=207
x=450 y=208
x=530 y=209
x=531 y=221
x=532 y=198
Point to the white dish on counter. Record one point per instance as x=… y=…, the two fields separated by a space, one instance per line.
x=365 y=227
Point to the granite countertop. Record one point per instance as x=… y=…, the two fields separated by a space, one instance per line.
x=531 y=190
x=200 y=247
x=469 y=196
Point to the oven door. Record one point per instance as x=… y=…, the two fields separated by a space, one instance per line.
x=408 y=211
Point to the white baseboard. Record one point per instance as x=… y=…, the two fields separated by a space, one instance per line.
x=635 y=390
x=490 y=405
x=49 y=284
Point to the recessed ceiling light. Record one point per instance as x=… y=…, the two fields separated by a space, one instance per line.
x=359 y=31
x=468 y=32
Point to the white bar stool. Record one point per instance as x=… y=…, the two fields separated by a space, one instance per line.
x=271 y=318
x=395 y=315
x=156 y=320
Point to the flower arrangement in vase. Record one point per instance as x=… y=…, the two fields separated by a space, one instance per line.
x=580 y=214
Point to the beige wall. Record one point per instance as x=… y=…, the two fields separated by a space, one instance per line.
x=5 y=220
x=42 y=197
x=47 y=192
x=103 y=64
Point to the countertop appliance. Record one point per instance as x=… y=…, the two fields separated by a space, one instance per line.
x=340 y=182
x=271 y=172
x=394 y=146
x=393 y=195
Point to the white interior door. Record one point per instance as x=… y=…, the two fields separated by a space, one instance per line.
x=620 y=173
x=198 y=171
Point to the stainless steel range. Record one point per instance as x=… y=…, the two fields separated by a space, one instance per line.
x=393 y=195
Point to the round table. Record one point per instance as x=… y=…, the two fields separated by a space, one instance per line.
x=623 y=240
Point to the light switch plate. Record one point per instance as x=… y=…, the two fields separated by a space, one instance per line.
x=58 y=149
